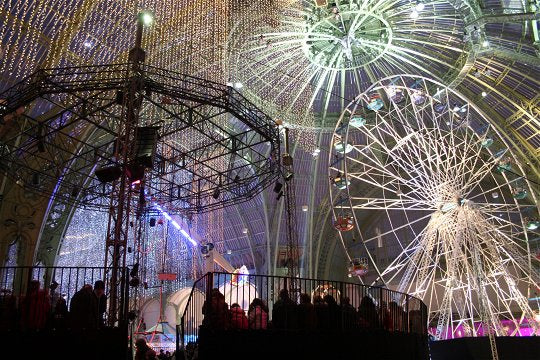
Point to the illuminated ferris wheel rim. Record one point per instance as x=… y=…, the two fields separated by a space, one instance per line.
x=464 y=254
x=363 y=98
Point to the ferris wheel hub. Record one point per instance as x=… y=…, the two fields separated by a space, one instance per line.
x=456 y=231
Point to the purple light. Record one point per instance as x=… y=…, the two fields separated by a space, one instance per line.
x=188 y=237
x=176 y=225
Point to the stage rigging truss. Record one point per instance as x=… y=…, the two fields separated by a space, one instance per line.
x=213 y=147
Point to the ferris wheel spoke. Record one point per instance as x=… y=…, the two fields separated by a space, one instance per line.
x=368 y=178
x=394 y=230
x=389 y=204
x=375 y=166
x=492 y=207
x=383 y=169
x=478 y=177
x=405 y=261
x=497 y=188
x=422 y=162
x=516 y=254
x=512 y=251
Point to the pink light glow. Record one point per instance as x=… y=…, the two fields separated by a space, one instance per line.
x=508 y=325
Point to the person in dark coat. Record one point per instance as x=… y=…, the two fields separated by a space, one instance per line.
x=8 y=310
x=367 y=314
x=321 y=310
x=349 y=314
x=99 y=304
x=144 y=352
x=284 y=313
x=397 y=316
x=307 y=318
x=81 y=310
x=334 y=312
x=60 y=315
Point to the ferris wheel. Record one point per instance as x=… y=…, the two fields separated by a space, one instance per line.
x=455 y=216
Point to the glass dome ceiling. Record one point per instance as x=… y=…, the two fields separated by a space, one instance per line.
x=317 y=58
x=300 y=63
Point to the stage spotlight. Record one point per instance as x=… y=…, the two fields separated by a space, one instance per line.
x=279 y=195
x=216 y=193
x=277 y=187
x=108 y=173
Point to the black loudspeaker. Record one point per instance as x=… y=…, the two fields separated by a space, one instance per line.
x=152 y=222
x=109 y=173
x=277 y=187
x=145 y=145
x=216 y=193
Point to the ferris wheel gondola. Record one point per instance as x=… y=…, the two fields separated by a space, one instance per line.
x=454 y=204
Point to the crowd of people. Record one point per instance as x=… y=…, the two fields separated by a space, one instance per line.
x=39 y=308
x=323 y=313
x=143 y=351
x=218 y=315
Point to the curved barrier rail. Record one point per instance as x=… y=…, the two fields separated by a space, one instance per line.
x=225 y=301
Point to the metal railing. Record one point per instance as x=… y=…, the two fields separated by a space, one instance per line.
x=40 y=298
x=223 y=301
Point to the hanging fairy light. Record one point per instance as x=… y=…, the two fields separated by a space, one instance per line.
x=147 y=18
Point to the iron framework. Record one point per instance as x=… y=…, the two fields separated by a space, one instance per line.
x=61 y=124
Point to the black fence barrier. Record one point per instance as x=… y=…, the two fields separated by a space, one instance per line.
x=58 y=298
x=223 y=301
